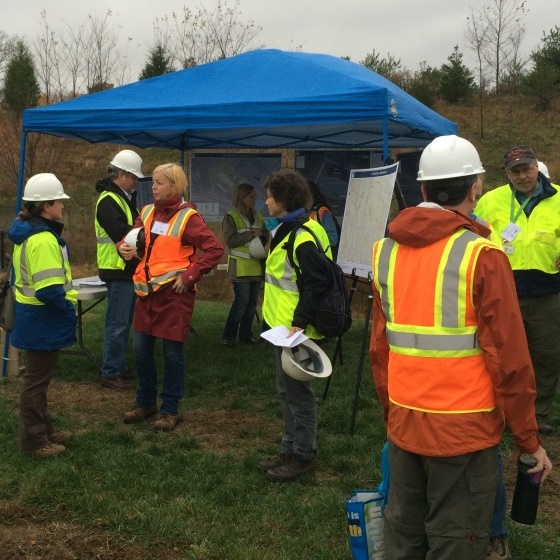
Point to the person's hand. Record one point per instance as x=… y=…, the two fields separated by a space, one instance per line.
x=558 y=263
x=543 y=462
x=178 y=286
x=126 y=251
x=293 y=331
x=255 y=231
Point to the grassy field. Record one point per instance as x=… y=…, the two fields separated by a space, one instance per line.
x=125 y=491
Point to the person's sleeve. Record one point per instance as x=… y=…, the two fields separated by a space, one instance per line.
x=501 y=336
x=200 y=236
x=312 y=285
x=379 y=354
x=327 y=221
x=231 y=237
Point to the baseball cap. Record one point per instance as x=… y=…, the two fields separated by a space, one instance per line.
x=518 y=155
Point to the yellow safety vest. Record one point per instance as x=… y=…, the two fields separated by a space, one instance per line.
x=108 y=257
x=246 y=265
x=435 y=362
x=537 y=245
x=40 y=262
x=281 y=294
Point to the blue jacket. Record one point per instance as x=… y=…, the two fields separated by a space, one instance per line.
x=50 y=326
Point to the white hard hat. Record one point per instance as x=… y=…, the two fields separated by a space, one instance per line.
x=306 y=362
x=129 y=161
x=449 y=156
x=544 y=169
x=42 y=187
x=256 y=249
x=136 y=238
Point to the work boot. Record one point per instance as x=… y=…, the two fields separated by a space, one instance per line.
x=498 y=549
x=275 y=462
x=291 y=470
x=167 y=422
x=137 y=414
x=59 y=437
x=50 y=450
x=543 y=426
x=115 y=382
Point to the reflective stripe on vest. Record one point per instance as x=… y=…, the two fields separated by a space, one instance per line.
x=437 y=364
x=108 y=257
x=246 y=265
x=168 y=257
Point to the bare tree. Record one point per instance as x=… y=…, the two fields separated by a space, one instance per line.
x=197 y=37
x=46 y=57
x=7 y=45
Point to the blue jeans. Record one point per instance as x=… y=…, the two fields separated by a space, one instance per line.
x=118 y=320
x=242 y=311
x=299 y=410
x=173 y=377
x=498 y=527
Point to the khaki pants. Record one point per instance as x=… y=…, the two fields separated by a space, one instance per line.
x=541 y=317
x=440 y=508
x=35 y=420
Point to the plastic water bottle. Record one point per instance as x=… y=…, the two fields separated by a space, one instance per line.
x=526 y=494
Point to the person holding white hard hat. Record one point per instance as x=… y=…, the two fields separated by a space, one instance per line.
x=245 y=236
x=45 y=318
x=450 y=363
x=114 y=215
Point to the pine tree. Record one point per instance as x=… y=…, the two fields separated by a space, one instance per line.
x=21 y=88
x=457 y=81
x=159 y=63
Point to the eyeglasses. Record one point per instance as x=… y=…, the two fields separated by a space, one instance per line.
x=523 y=171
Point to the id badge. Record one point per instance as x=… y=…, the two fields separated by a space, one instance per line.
x=160 y=228
x=508 y=249
x=510 y=233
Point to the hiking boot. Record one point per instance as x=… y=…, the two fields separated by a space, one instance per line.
x=59 y=437
x=50 y=450
x=115 y=382
x=275 y=462
x=292 y=470
x=137 y=414
x=167 y=422
x=498 y=549
x=543 y=426
x=229 y=343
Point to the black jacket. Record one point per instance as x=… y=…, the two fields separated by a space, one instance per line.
x=113 y=220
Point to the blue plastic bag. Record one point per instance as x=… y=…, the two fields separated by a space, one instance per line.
x=364 y=509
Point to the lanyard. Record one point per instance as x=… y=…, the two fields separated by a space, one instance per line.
x=513 y=218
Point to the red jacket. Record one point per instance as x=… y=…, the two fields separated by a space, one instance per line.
x=501 y=336
x=165 y=313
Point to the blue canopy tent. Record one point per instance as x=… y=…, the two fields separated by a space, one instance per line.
x=259 y=99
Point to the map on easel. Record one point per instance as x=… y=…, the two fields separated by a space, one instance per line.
x=365 y=217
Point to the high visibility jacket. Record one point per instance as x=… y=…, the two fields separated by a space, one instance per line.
x=435 y=362
x=107 y=255
x=246 y=265
x=166 y=257
x=40 y=262
x=281 y=294
x=537 y=245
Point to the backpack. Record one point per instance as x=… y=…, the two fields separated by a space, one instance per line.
x=333 y=316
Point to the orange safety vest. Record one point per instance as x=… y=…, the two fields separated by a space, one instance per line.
x=435 y=362
x=317 y=215
x=167 y=258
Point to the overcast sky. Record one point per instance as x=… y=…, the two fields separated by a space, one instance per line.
x=411 y=30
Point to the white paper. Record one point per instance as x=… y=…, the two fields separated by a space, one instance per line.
x=278 y=337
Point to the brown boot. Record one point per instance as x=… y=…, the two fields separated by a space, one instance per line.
x=49 y=450
x=275 y=462
x=115 y=382
x=137 y=414
x=294 y=469
x=167 y=422
x=60 y=437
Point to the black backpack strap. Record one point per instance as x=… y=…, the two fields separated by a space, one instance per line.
x=289 y=246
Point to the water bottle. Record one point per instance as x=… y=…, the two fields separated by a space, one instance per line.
x=526 y=493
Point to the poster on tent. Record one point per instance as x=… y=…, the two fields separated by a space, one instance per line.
x=365 y=217
x=215 y=176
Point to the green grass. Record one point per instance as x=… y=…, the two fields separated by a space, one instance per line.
x=196 y=492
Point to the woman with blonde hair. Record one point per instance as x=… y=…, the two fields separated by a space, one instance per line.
x=165 y=285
